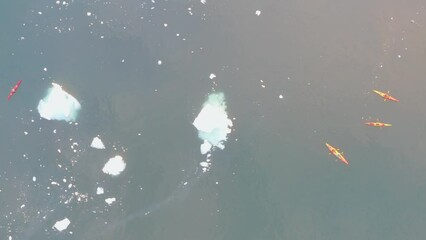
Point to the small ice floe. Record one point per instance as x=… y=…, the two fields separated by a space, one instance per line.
x=204 y=164
x=110 y=200
x=62 y=225
x=114 y=166
x=203 y=1
x=212 y=75
x=258 y=12
x=280 y=96
x=99 y=191
x=159 y=62
x=58 y=105
x=97 y=143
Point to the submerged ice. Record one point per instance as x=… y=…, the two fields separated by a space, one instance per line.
x=58 y=105
x=212 y=123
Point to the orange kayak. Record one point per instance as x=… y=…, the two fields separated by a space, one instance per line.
x=386 y=96
x=378 y=124
x=336 y=153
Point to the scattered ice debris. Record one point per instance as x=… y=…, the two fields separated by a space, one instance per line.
x=159 y=62
x=258 y=12
x=89 y=14
x=58 y=105
x=110 y=200
x=203 y=1
x=212 y=75
x=99 y=191
x=25 y=132
x=280 y=96
x=34 y=179
x=165 y=25
x=62 y=225
x=97 y=143
x=45 y=69
x=114 y=166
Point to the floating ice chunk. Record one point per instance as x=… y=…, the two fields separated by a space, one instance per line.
x=212 y=75
x=114 y=166
x=62 y=225
x=204 y=164
x=58 y=105
x=99 y=191
x=258 y=12
x=213 y=123
x=110 y=200
x=97 y=143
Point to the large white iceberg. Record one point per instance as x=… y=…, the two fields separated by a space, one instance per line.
x=212 y=123
x=58 y=105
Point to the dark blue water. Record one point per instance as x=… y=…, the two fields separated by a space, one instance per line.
x=274 y=179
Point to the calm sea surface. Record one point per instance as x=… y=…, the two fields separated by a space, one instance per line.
x=295 y=74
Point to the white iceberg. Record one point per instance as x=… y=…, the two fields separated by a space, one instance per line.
x=110 y=200
x=97 y=143
x=114 y=166
x=212 y=123
x=62 y=225
x=58 y=105
x=99 y=191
